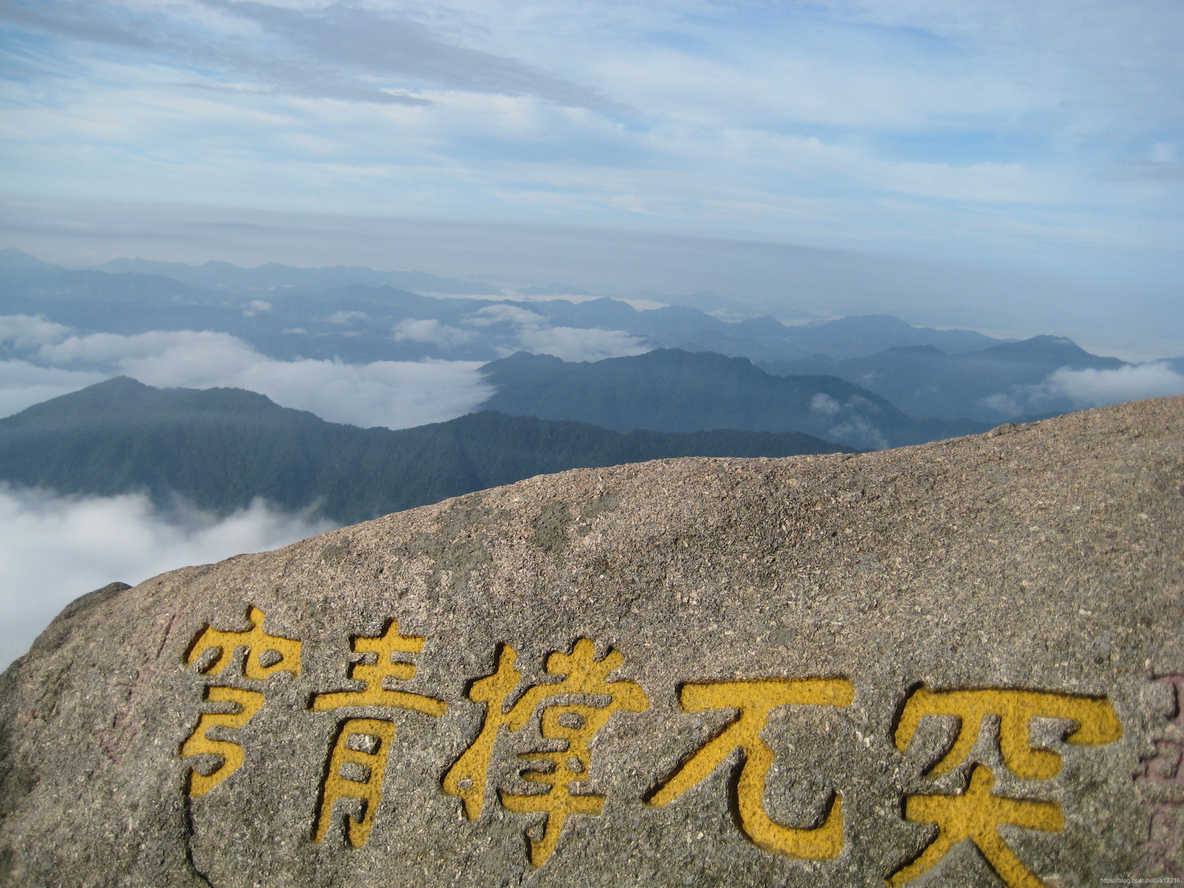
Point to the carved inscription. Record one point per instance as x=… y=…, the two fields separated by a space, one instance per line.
x=265 y=654
x=357 y=759
x=554 y=723
x=243 y=705
x=230 y=707
x=357 y=764
x=572 y=712
x=753 y=701
x=1094 y=724
x=976 y=813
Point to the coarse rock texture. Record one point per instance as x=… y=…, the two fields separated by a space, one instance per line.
x=902 y=633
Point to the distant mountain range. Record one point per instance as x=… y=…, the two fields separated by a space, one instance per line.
x=671 y=390
x=923 y=380
x=361 y=315
x=267 y=279
x=866 y=381
x=221 y=448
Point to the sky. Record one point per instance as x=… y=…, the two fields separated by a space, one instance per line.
x=1011 y=167
x=980 y=163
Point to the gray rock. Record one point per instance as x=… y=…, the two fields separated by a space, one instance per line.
x=959 y=664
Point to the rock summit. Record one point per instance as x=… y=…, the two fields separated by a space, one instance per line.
x=959 y=664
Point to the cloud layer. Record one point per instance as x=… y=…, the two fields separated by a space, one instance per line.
x=57 y=548
x=1043 y=135
x=47 y=359
x=1068 y=389
x=534 y=333
x=395 y=394
x=1097 y=388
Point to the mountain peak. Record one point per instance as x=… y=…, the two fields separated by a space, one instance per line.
x=1058 y=350
x=942 y=583
x=122 y=400
x=13 y=259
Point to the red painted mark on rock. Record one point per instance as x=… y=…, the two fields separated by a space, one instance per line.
x=1161 y=786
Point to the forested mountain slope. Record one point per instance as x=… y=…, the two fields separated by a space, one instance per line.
x=221 y=448
x=991 y=385
x=676 y=391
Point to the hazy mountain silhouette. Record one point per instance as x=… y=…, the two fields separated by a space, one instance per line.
x=274 y=276
x=356 y=315
x=677 y=391
x=925 y=381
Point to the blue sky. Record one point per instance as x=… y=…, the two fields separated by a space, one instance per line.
x=1044 y=139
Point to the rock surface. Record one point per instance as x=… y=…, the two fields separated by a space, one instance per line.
x=958 y=664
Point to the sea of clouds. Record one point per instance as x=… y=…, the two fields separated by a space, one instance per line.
x=396 y=394
x=528 y=331
x=45 y=360
x=57 y=548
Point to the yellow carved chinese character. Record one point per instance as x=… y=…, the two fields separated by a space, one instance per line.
x=356 y=768
x=575 y=726
x=570 y=723
x=976 y=815
x=466 y=777
x=243 y=706
x=374 y=691
x=1095 y=723
x=753 y=701
x=356 y=771
x=266 y=654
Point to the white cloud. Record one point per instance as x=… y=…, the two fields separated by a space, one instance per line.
x=346 y=317
x=844 y=424
x=22 y=383
x=855 y=431
x=395 y=394
x=505 y=314
x=26 y=331
x=578 y=344
x=1013 y=403
x=57 y=548
x=1097 y=388
x=431 y=330
x=535 y=335
x=187 y=347
x=1089 y=388
x=824 y=405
